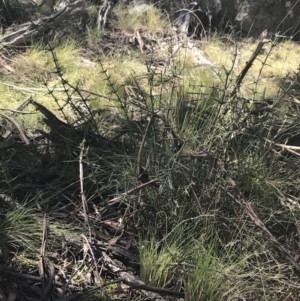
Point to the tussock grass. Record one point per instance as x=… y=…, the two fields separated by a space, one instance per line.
x=123 y=68
x=204 y=282
x=145 y=17
x=22 y=227
x=219 y=52
x=37 y=64
x=161 y=261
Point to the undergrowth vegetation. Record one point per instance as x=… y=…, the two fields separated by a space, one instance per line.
x=141 y=17
x=219 y=220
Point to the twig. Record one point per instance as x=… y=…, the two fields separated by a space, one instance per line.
x=81 y=265
x=192 y=188
x=23 y=88
x=19 y=109
x=140 y=154
x=133 y=190
x=140 y=40
x=45 y=262
x=290 y=148
x=129 y=279
x=142 y=172
x=16 y=111
x=102 y=14
x=248 y=65
x=22 y=106
x=51 y=271
x=44 y=239
x=91 y=291
x=177 y=143
x=93 y=256
x=27 y=277
x=12 y=120
x=161 y=291
x=82 y=194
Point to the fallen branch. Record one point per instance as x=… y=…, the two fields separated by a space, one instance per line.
x=27 y=277
x=90 y=291
x=45 y=265
x=22 y=106
x=152 y=293
x=290 y=148
x=133 y=190
x=16 y=111
x=14 y=122
x=36 y=28
x=134 y=283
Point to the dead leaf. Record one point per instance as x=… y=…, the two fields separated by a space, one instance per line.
x=140 y=40
x=128 y=244
x=114 y=240
x=101 y=235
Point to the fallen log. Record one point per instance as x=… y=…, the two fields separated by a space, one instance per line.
x=29 y=30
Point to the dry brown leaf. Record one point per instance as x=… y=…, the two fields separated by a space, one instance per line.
x=114 y=240
x=112 y=224
x=140 y=40
x=101 y=235
x=128 y=244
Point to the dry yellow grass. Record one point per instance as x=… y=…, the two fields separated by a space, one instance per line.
x=35 y=67
x=262 y=80
x=145 y=18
